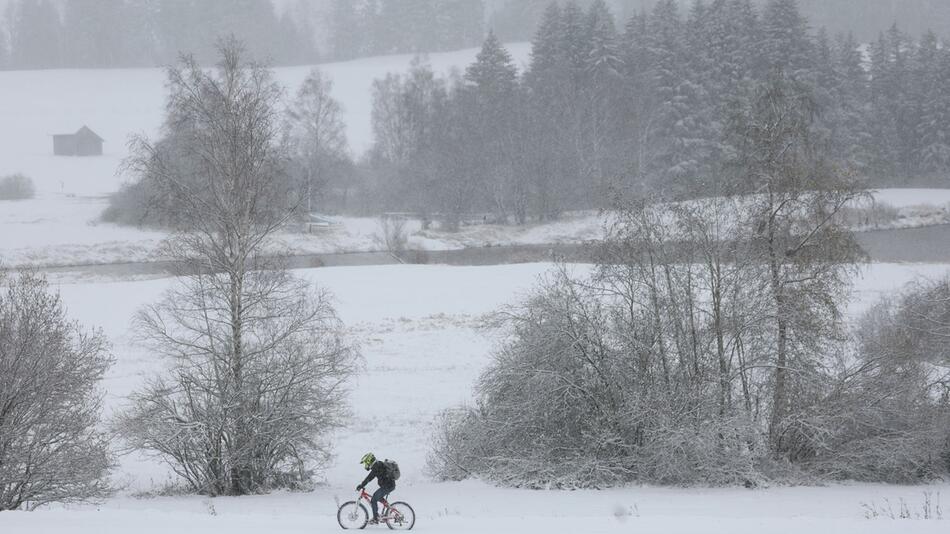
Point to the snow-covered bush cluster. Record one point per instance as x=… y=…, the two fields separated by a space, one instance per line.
x=582 y=395
x=51 y=446
x=708 y=345
x=16 y=187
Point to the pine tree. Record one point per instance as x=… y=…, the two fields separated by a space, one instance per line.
x=94 y=31
x=4 y=59
x=603 y=61
x=494 y=72
x=668 y=158
x=176 y=23
x=853 y=141
x=903 y=111
x=35 y=35
x=456 y=24
x=602 y=126
x=881 y=120
x=934 y=125
x=493 y=99
x=546 y=82
x=372 y=28
x=344 y=40
x=786 y=44
x=515 y=19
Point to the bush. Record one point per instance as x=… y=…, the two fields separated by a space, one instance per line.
x=564 y=405
x=50 y=447
x=134 y=205
x=16 y=187
x=868 y=215
x=568 y=402
x=888 y=419
x=393 y=235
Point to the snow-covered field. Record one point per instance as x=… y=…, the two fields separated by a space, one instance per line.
x=419 y=327
x=61 y=227
x=55 y=229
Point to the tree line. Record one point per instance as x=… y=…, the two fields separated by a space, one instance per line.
x=515 y=19
x=645 y=108
x=709 y=344
x=377 y=27
x=44 y=34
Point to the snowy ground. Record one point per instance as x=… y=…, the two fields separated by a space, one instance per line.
x=419 y=327
x=64 y=229
x=61 y=227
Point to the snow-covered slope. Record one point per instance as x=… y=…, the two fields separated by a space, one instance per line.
x=419 y=327
x=120 y=103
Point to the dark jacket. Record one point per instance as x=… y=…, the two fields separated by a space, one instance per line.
x=379 y=471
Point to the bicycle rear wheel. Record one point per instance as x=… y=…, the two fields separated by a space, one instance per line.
x=401 y=516
x=352 y=515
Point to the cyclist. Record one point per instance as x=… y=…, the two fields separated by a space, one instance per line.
x=384 y=478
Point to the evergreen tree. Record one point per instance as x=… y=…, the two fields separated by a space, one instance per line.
x=176 y=23
x=35 y=35
x=373 y=28
x=494 y=72
x=94 y=31
x=545 y=81
x=851 y=104
x=786 y=44
x=882 y=123
x=668 y=160
x=491 y=93
x=605 y=85
x=603 y=61
x=934 y=125
x=344 y=38
x=515 y=19
x=4 y=59
x=893 y=103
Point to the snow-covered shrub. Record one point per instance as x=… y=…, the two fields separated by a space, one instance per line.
x=888 y=417
x=393 y=235
x=868 y=215
x=51 y=449
x=16 y=187
x=572 y=400
x=134 y=205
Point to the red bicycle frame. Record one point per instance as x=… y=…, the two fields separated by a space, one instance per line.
x=369 y=499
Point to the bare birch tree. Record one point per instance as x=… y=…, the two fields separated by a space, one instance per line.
x=318 y=138
x=257 y=359
x=51 y=447
x=795 y=195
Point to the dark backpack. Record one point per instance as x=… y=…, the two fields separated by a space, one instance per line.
x=392 y=469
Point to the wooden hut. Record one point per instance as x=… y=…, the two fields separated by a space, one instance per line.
x=84 y=142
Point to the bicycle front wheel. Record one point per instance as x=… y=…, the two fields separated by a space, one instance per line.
x=352 y=515
x=401 y=516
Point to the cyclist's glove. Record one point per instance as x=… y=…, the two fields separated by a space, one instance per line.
x=359 y=488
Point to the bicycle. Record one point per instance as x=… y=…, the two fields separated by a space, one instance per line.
x=397 y=516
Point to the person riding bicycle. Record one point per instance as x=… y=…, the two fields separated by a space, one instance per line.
x=384 y=478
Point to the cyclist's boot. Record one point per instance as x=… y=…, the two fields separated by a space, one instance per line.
x=373 y=521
